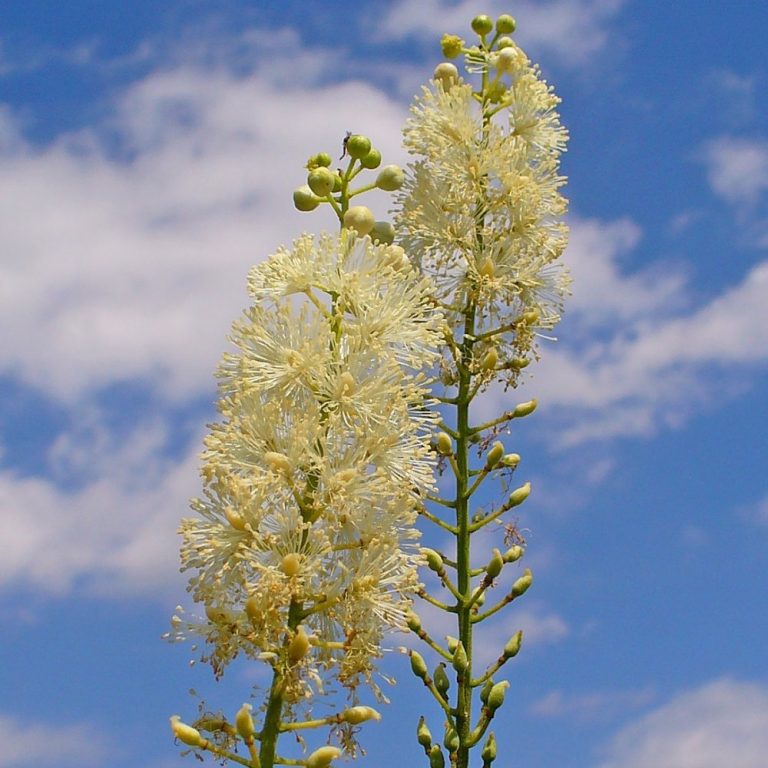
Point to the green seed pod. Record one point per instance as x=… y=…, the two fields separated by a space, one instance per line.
x=510 y=460
x=489 y=749
x=418 y=665
x=520 y=587
x=482 y=24
x=358 y=146
x=460 y=661
x=357 y=715
x=434 y=561
x=371 y=160
x=442 y=683
x=494 y=455
x=304 y=200
x=512 y=648
x=244 y=723
x=436 y=758
x=447 y=74
x=513 y=554
x=451 y=739
x=186 y=734
x=495 y=564
x=320 y=181
x=423 y=735
x=323 y=757
x=524 y=409
x=485 y=691
x=496 y=695
x=519 y=495
x=360 y=218
x=382 y=232
x=452 y=46
x=505 y=24
x=444 y=444
x=390 y=178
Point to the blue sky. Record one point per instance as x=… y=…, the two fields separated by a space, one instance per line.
x=147 y=155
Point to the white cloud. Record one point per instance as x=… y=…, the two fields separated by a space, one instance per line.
x=43 y=744
x=590 y=706
x=737 y=168
x=722 y=723
x=573 y=31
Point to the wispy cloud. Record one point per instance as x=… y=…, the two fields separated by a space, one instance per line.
x=722 y=723
x=591 y=706
x=737 y=168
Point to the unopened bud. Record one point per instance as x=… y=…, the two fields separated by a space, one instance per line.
x=489 y=749
x=494 y=455
x=505 y=24
x=452 y=46
x=304 y=200
x=291 y=565
x=360 y=218
x=531 y=316
x=371 y=160
x=496 y=696
x=323 y=757
x=244 y=723
x=394 y=256
x=504 y=42
x=442 y=683
x=452 y=642
x=418 y=665
x=478 y=596
x=413 y=622
x=444 y=444
x=509 y=59
x=513 y=554
x=446 y=74
x=520 y=586
x=495 y=564
x=382 y=232
x=451 y=740
x=434 y=561
x=423 y=735
x=357 y=715
x=518 y=363
x=510 y=460
x=390 y=178
x=234 y=518
x=490 y=359
x=346 y=385
x=299 y=646
x=482 y=24
x=519 y=495
x=320 y=181
x=487 y=268
x=358 y=146
x=512 y=647
x=277 y=462
x=525 y=409
x=460 y=661
x=485 y=691
x=436 y=758
x=186 y=734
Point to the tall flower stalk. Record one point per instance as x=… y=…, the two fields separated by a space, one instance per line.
x=480 y=213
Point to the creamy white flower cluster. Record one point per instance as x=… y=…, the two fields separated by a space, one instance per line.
x=481 y=211
x=303 y=548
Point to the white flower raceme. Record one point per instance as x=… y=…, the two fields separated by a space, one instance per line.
x=481 y=211
x=313 y=475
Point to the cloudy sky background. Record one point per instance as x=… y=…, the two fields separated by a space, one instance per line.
x=147 y=156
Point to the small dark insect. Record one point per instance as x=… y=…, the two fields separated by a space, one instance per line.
x=513 y=535
x=344 y=145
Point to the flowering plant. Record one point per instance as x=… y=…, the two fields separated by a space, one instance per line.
x=351 y=386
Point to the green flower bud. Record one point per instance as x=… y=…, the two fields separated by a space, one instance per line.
x=434 y=561
x=323 y=159
x=531 y=316
x=358 y=146
x=186 y=734
x=505 y=24
x=291 y=565
x=482 y=24
x=371 y=160
x=452 y=46
x=496 y=696
x=512 y=647
x=489 y=749
x=452 y=643
x=304 y=200
x=504 y=42
x=423 y=735
x=490 y=359
x=520 y=587
x=382 y=232
x=390 y=178
x=510 y=460
x=495 y=564
x=436 y=758
x=519 y=495
x=460 y=661
x=244 y=723
x=442 y=683
x=413 y=622
x=360 y=218
x=480 y=601
x=496 y=92
x=444 y=444
x=234 y=518
x=323 y=757
x=320 y=181
x=451 y=740
x=487 y=268
x=519 y=363
x=357 y=715
x=485 y=691
x=513 y=554
x=447 y=74
x=337 y=182
x=494 y=455
x=418 y=665
x=299 y=646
